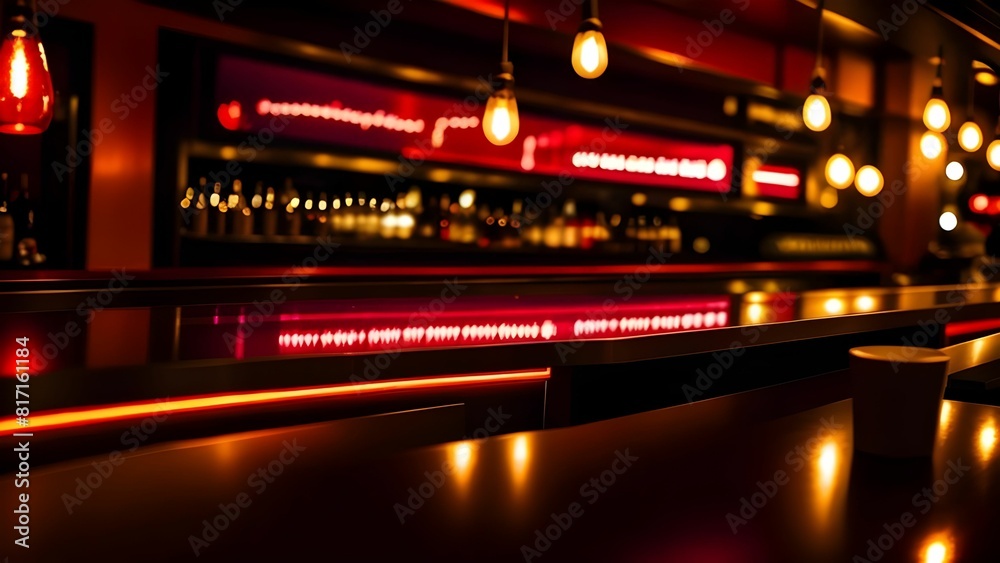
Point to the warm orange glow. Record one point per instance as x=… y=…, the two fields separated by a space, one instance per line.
x=590 y=54
x=501 y=122
x=19 y=71
x=816 y=112
x=937 y=551
x=136 y=410
x=987 y=440
x=520 y=456
x=937 y=117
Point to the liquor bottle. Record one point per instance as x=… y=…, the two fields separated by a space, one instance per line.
x=322 y=215
x=257 y=205
x=292 y=219
x=553 y=230
x=269 y=223
x=6 y=224
x=218 y=208
x=571 y=231
x=446 y=219
x=23 y=212
x=242 y=217
x=350 y=217
x=309 y=220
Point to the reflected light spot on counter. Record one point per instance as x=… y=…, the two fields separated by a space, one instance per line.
x=834 y=306
x=521 y=449
x=864 y=303
x=936 y=552
x=755 y=313
x=828 y=462
x=463 y=455
x=987 y=440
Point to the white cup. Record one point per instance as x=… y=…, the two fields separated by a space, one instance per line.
x=897 y=393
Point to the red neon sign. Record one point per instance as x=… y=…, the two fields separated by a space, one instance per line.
x=480 y=322
x=987 y=205
x=419 y=127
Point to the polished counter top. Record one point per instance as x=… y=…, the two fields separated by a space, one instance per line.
x=768 y=475
x=453 y=327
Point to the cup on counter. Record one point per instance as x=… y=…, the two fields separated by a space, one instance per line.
x=897 y=393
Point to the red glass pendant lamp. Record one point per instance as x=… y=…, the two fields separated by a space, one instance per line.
x=26 y=96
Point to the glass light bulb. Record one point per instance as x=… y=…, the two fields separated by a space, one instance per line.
x=26 y=94
x=839 y=171
x=816 y=112
x=970 y=136
x=954 y=171
x=936 y=115
x=932 y=144
x=500 y=122
x=590 y=54
x=948 y=221
x=993 y=154
x=869 y=180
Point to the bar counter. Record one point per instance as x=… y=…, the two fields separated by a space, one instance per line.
x=768 y=475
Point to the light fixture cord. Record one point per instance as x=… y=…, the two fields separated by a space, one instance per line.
x=819 y=38
x=506 y=26
x=591 y=12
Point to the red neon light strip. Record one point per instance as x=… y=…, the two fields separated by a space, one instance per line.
x=312 y=333
x=971 y=327
x=53 y=420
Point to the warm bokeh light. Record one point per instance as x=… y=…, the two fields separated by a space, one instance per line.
x=839 y=171
x=936 y=551
x=833 y=306
x=827 y=464
x=987 y=440
x=500 y=121
x=828 y=198
x=467 y=199
x=869 y=180
x=932 y=144
x=979 y=203
x=864 y=303
x=816 y=112
x=590 y=53
x=462 y=455
x=937 y=116
x=993 y=154
x=970 y=136
x=948 y=221
x=954 y=171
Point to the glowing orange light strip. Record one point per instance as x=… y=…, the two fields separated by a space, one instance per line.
x=170 y=406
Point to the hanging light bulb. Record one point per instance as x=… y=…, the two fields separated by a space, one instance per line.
x=816 y=110
x=869 y=180
x=937 y=116
x=970 y=136
x=26 y=102
x=932 y=144
x=993 y=154
x=500 y=121
x=590 y=50
x=839 y=171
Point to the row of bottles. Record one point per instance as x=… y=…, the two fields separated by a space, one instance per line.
x=213 y=210
x=18 y=242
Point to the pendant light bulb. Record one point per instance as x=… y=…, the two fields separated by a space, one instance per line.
x=970 y=136
x=839 y=171
x=932 y=144
x=993 y=154
x=937 y=116
x=816 y=112
x=590 y=50
x=501 y=122
x=26 y=101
